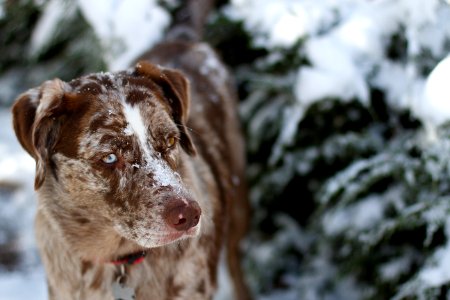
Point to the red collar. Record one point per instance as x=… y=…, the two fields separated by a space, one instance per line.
x=132 y=259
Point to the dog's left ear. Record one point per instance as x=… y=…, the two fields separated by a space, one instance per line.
x=176 y=89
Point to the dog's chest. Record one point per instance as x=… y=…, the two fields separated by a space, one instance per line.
x=183 y=275
x=188 y=277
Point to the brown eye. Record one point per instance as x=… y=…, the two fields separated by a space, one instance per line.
x=170 y=141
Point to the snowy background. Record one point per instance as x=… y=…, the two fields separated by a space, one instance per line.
x=345 y=105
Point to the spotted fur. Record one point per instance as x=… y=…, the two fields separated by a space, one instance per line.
x=113 y=150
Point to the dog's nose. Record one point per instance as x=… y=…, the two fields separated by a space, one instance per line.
x=182 y=214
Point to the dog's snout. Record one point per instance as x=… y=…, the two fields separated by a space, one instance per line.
x=182 y=214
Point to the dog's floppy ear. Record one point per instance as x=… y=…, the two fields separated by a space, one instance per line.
x=177 y=92
x=35 y=125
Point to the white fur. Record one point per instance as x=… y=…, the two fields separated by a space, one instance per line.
x=163 y=174
x=134 y=119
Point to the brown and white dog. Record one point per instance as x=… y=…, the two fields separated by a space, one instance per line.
x=144 y=162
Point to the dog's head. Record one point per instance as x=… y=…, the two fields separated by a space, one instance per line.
x=108 y=150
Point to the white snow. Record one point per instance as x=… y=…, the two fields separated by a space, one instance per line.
x=333 y=75
x=434 y=107
x=125 y=28
x=393 y=268
x=211 y=66
x=2 y=10
x=18 y=210
x=357 y=217
x=345 y=41
x=23 y=285
x=281 y=23
x=128 y=130
x=438 y=270
x=54 y=12
x=225 y=286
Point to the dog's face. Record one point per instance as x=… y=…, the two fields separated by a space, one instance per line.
x=107 y=150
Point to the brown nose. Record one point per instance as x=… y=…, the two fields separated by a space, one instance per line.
x=182 y=215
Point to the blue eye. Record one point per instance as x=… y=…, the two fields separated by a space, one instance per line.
x=110 y=158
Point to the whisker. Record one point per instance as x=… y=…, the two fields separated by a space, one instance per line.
x=191 y=130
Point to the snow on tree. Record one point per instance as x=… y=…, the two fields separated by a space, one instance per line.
x=350 y=192
x=42 y=40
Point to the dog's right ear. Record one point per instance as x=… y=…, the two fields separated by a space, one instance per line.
x=35 y=124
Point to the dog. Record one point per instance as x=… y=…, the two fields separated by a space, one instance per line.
x=140 y=177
